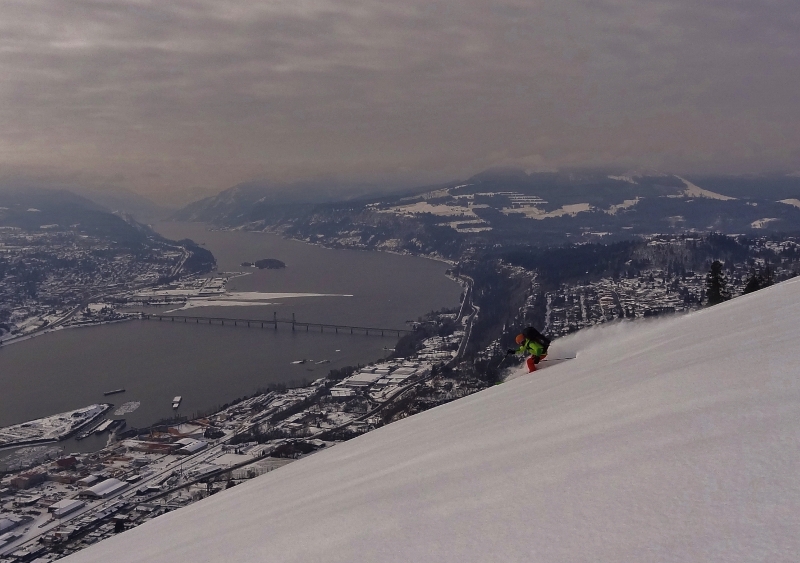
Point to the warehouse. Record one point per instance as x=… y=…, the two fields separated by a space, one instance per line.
x=66 y=506
x=105 y=489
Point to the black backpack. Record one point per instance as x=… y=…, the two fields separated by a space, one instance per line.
x=535 y=336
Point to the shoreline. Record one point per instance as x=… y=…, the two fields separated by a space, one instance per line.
x=209 y=227
x=464 y=285
x=38 y=441
x=323 y=245
x=38 y=333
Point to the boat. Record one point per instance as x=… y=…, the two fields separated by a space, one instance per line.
x=114 y=391
x=323 y=362
x=176 y=402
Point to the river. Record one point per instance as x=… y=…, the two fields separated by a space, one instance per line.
x=212 y=365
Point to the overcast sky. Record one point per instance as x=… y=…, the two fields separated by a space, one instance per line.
x=168 y=96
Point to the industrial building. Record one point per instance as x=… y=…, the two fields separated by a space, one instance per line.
x=105 y=489
x=66 y=506
x=190 y=446
x=10 y=521
x=88 y=481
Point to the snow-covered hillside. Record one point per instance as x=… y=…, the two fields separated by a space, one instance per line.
x=676 y=441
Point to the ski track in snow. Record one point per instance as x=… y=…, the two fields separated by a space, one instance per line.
x=585 y=342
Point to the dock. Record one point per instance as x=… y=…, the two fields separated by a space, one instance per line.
x=103 y=426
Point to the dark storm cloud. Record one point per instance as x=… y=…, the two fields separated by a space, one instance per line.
x=165 y=96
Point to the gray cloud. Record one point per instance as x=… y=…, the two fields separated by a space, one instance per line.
x=162 y=97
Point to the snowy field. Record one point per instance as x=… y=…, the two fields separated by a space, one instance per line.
x=670 y=441
x=693 y=190
x=246 y=299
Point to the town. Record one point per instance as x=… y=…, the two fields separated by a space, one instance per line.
x=54 y=277
x=67 y=501
x=73 y=500
x=657 y=291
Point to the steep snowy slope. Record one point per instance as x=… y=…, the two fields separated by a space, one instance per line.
x=677 y=441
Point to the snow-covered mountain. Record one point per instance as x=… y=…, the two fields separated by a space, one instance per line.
x=675 y=440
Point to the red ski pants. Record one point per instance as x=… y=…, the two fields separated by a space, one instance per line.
x=532 y=361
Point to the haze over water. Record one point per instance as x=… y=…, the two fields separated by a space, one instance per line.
x=211 y=365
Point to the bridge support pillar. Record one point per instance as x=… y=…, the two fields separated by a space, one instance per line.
x=275 y=319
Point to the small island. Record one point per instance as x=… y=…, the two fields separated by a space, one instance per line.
x=268 y=263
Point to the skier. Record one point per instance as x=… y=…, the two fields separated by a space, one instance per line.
x=532 y=342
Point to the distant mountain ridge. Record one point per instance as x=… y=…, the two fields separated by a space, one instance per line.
x=113 y=200
x=33 y=208
x=238 y=201
x=126 y=202
x=508 y=200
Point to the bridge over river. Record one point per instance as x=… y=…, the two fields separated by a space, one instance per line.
x=275 y=321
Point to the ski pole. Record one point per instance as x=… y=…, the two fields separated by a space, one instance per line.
x=557 y=359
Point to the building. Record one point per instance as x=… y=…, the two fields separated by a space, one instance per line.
x=68 y=462
x=66 y=506
x=139 y=462
x=28 y=479
x=190 y=446
x=88 y=481
x=9 y=522
x=21 y=502
x=365 y=378
x=105 y=489
x=150 y=446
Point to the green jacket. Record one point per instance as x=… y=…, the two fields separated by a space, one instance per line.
x=530 y=347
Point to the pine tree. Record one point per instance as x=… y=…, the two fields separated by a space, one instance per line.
x=716 y=284
x=758 y=280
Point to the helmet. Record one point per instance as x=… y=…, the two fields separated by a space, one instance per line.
x=520 y=339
